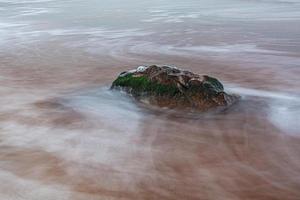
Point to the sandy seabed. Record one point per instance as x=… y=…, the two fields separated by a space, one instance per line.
x=65 y=135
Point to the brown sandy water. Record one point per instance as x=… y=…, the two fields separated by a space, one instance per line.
x=64 y=135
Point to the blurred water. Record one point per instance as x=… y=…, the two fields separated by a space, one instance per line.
x=65 y=135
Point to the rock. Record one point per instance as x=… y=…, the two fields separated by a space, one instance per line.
x=173 y=88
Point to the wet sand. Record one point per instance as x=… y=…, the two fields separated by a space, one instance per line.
x=65 y=135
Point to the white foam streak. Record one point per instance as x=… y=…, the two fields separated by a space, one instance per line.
x=263 y=93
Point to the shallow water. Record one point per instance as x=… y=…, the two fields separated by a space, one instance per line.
x=65 y=135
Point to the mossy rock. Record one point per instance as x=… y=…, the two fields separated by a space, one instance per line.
x=172 y=87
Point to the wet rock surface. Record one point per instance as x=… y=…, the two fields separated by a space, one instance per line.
x=172 y=87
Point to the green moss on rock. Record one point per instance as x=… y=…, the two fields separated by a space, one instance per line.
x=143 y=84
x=214 y=83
